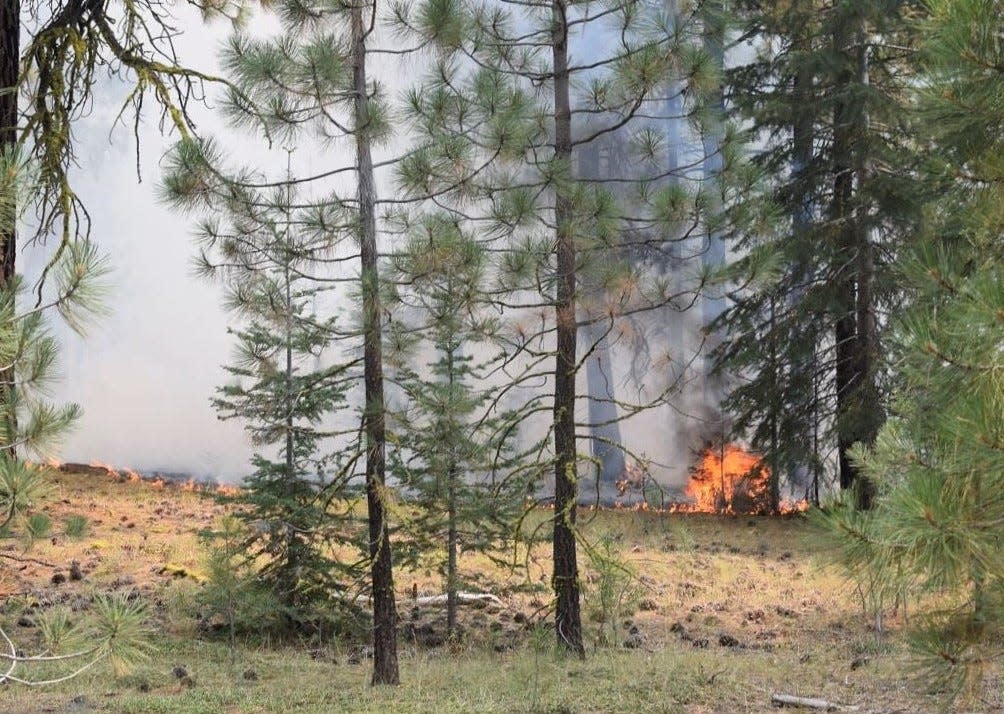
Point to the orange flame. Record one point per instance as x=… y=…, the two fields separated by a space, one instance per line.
x=730 y=479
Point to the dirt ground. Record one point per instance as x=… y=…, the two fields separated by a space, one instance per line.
x=683 y=612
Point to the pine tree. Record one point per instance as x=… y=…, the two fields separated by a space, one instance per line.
x=266 y=256
x=457 y=463
x=49 y=81
x=515 y=96
x=938 y=464
x=115 y=631
x=825 y=95
x=311 y=79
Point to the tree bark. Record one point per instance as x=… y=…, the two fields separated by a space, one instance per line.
x=385 y=665
x=603 y=425
x=452 y=476
x=568 y=618
x=713 y=257
x=854 y=331
x=10 y=57
x=10 y=60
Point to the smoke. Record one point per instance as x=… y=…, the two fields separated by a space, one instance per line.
x=144 y=374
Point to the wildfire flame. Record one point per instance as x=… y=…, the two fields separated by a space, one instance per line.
x=131 y=476
x=730 y=479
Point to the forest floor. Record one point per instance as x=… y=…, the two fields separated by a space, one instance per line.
x=719 y=614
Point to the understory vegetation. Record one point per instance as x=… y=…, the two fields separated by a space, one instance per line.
x=718 y=614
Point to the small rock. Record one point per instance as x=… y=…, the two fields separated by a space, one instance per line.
x=58 y=578
x=25 y=621
x=728 y=641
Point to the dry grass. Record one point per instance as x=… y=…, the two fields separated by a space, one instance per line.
x=727 y=610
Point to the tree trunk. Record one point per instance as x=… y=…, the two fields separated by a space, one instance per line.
x=603 y=425
x=595 y=163
x=713 y=257
x=10 y=57
x=801 y=218
x=870 y=412
x=452 y=474
x=855 y=331
x=568 y=618
x=385 y=667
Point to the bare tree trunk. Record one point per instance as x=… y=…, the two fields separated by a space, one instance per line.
x=606 y=445
x=802 y=215
x=870 y=411
x=452 y=474
x=385 y=666
x=596 y=161
x=568 y=618
x=10 y=57
x=713 y=257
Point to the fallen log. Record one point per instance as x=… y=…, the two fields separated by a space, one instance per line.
x=789 y=700
x=463 y=598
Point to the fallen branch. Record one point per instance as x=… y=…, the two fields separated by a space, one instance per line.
x=463 y=598
x=788 y=700
x=24 y=559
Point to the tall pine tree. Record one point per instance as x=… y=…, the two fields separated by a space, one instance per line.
x=824 y=94
x=311 y=79
x=938 y=463
x=520 y=93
